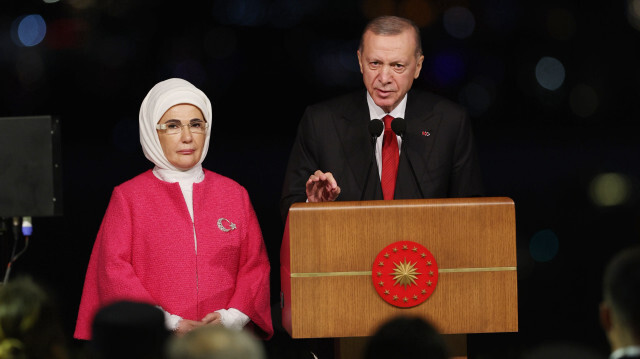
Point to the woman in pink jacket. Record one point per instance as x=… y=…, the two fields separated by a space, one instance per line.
x=179 y=236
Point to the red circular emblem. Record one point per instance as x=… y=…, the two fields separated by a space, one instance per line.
x=405 y=274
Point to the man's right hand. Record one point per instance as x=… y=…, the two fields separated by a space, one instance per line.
x=322 y=187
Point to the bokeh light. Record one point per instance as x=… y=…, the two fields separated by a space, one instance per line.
x=28 y=30
x=459 y=22
x=561 y=24
x=447 y=68
x=419 y=11
x=544 y=245
x=610 y=189
x=550 y=73
x=583 y=100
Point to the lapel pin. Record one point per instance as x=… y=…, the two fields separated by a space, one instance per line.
x=426 y=133
x=231 y=225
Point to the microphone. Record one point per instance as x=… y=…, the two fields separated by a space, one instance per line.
x=399 y=126
x=375 y=130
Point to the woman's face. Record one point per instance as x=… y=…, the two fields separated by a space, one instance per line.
x=184 y=149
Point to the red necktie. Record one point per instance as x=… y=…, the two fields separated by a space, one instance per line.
x=390 y=157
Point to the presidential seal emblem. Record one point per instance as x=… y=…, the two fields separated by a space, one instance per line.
x=405 y=274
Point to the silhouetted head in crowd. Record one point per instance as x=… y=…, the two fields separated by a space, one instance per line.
x=406 y=337
x=30 y=323
x=216 y=342
x=128 y=329
x=620 y=308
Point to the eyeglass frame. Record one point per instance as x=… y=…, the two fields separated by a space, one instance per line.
x=163 y=126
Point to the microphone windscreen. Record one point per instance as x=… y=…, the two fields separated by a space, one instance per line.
x=399 y=126
x=375 y=127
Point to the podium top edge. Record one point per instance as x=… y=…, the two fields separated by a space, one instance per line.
x=489 y=201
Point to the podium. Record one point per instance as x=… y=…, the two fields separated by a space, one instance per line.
x=328 y=251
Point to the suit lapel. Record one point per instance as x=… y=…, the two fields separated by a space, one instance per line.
x=418 y=142
x=356 y=142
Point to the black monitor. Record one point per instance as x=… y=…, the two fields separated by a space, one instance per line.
x=30 y=166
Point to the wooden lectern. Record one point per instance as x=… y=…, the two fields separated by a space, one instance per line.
x=328 y=250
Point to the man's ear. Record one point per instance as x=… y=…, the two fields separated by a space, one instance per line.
x=605 y=317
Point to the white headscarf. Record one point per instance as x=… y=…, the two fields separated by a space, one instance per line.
x=161 y=98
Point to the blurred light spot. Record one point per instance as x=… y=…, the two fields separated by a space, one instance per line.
x=610 y=189
x=561 y=24
x=337 y=64
x=583 y=100
x=550 y=73
x=220 y=42
x=66 y=33
x=459 y=22
x=374 y=8
x=81 y=4
x=28 y=30
x=544 y=246
x=633 y=13
x=50 y=1
x=448 y=68
x=476 y=98
x=419 y=11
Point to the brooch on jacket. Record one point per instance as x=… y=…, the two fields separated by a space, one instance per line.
x=231 y=225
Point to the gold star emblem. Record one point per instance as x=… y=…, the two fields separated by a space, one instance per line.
x=386 y=255
x=423 y=255
x=415 y=297
x=386 y=291
x=381 y=284
x=424 y=291
x=395 y=297
x=415 y=249
x=431 y=273
x=379 y=274
x=429 y=283
x=405 y=299
x=395 y=250
x=405 y=247
x=405 y=273
x=428 y=263
x=381 y=264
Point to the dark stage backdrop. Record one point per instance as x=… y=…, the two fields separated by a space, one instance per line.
x=552 y=88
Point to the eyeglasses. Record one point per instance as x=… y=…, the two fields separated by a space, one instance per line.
x=175 y=127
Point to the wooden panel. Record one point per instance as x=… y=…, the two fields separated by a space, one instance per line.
x=332 y=246
x=348 y=306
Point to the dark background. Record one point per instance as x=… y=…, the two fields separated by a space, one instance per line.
x=568 y=156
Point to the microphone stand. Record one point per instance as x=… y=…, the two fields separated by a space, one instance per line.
x=375 y=129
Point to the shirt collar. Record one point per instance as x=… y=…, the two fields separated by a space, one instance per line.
x=375 y=112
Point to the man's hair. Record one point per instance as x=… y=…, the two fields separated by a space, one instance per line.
x=406 y=337
x=621 y=287
x=216 y=342
x=392 y=25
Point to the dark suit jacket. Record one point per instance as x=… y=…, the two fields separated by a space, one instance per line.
x=333 y=137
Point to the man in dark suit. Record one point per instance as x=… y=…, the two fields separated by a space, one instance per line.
x=334 y=156
x=620 y=308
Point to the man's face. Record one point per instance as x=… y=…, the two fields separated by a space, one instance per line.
x=389 y=65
